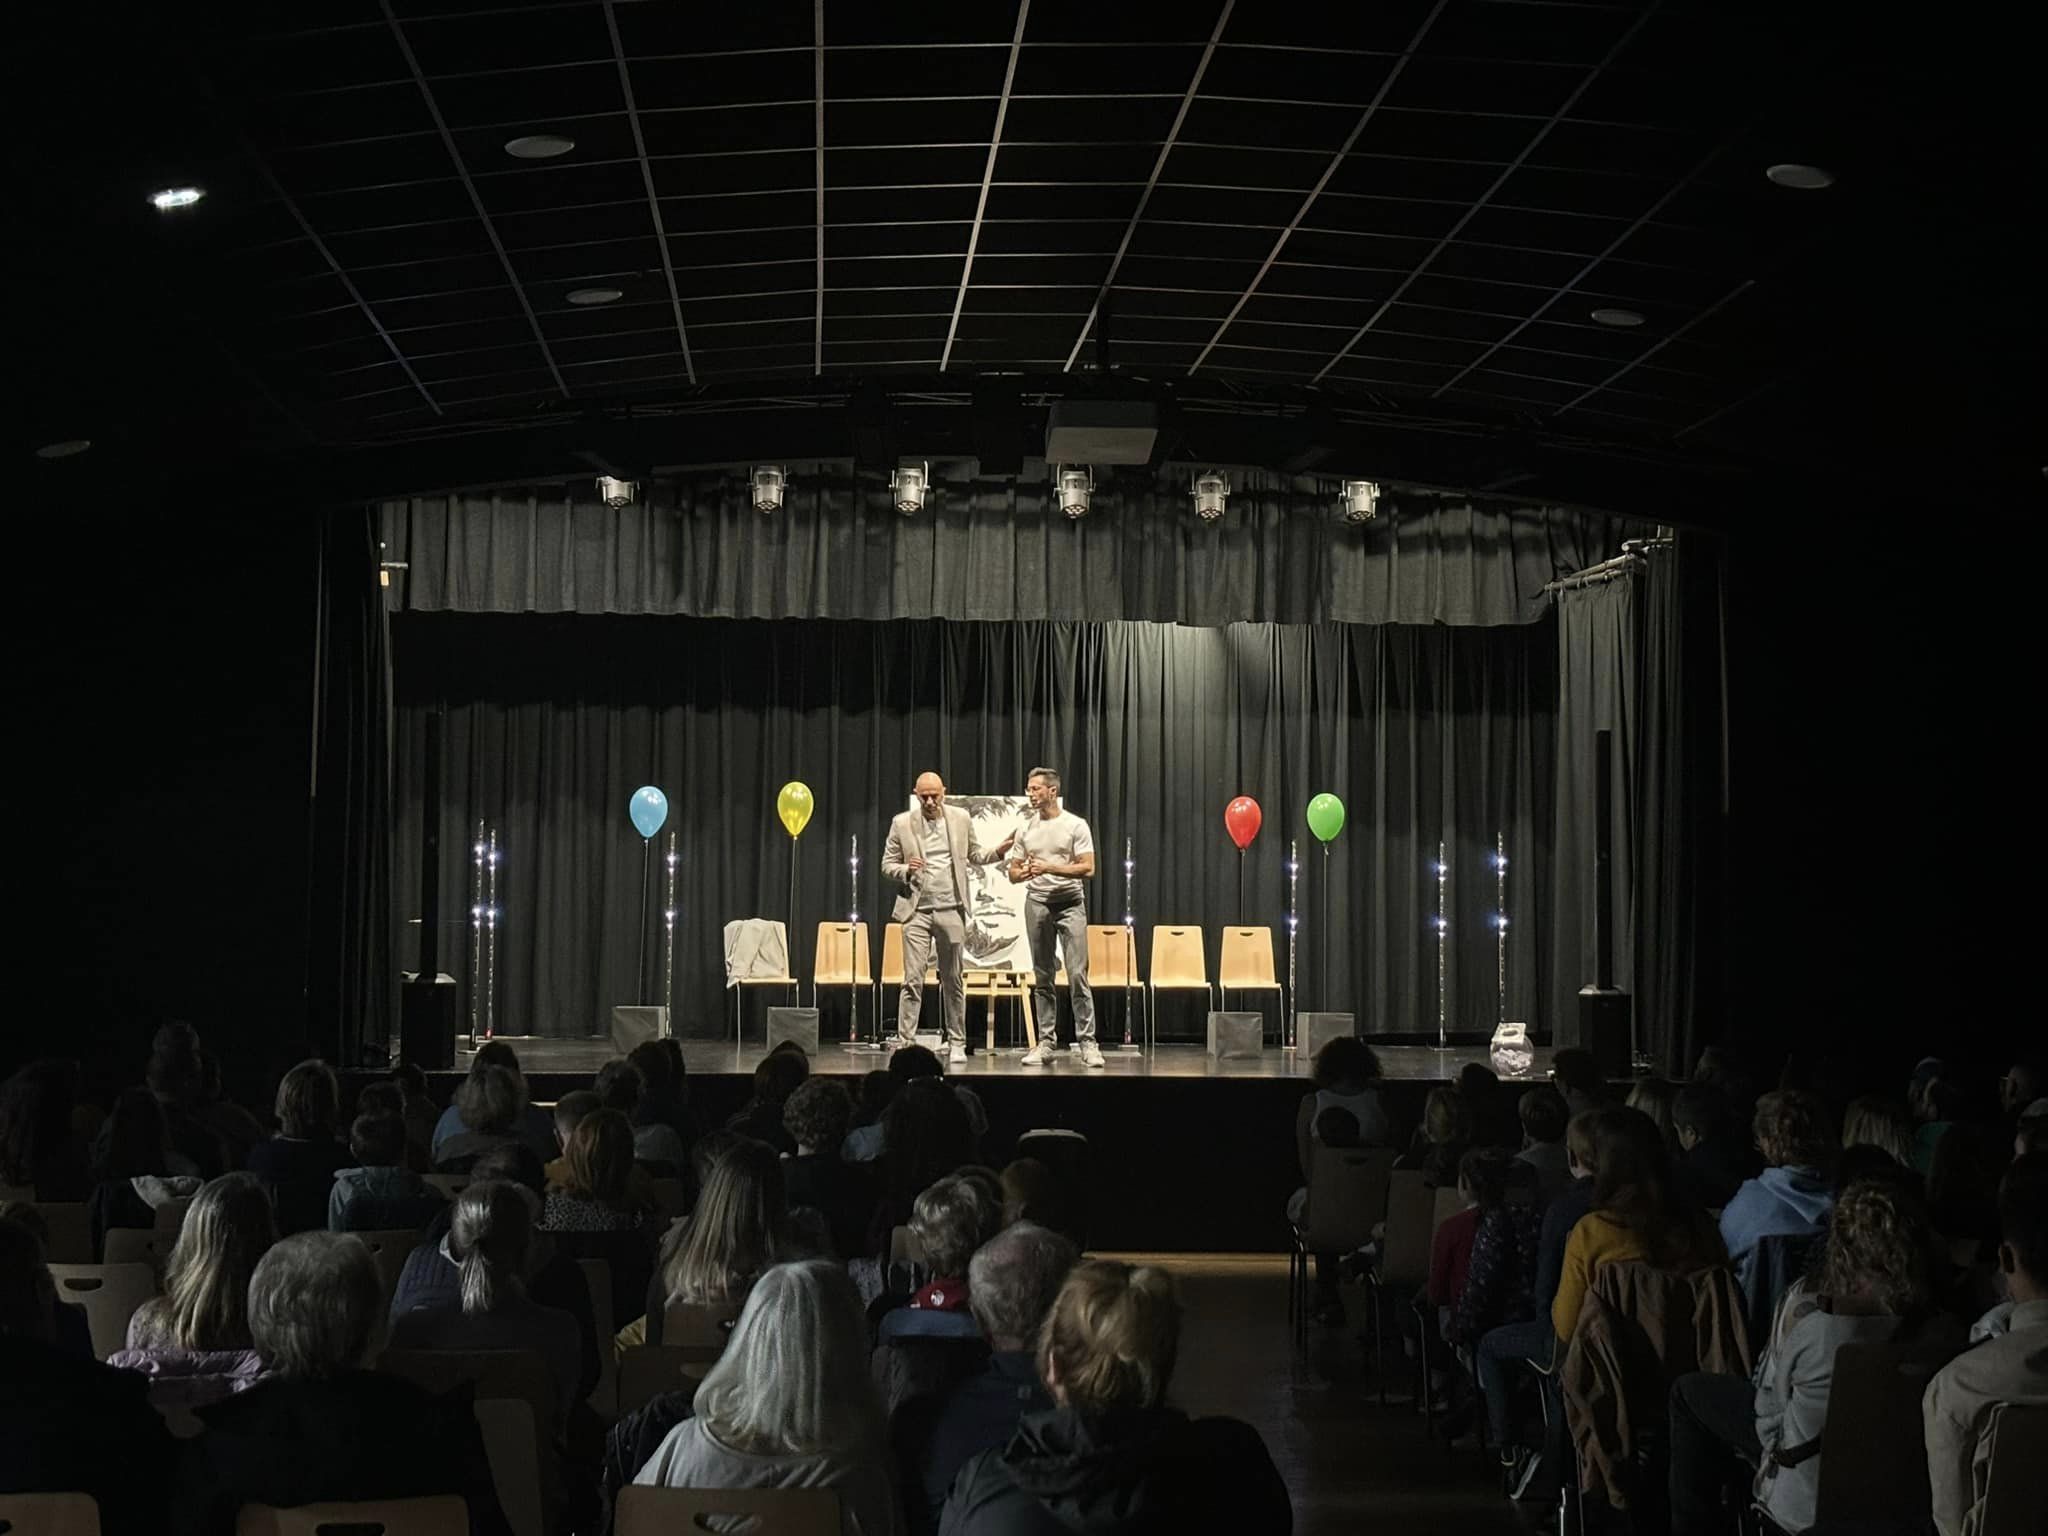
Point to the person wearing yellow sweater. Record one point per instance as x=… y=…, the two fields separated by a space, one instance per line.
x=1639 y=1214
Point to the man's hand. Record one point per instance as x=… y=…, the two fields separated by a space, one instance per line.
x=915 y=865
x=1004 y=846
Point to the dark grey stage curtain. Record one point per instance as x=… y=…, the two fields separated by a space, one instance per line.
x=1429 y=733
x=993 y=551
x=1640 y=654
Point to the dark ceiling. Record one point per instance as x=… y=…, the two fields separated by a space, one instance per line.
x=1373 y=229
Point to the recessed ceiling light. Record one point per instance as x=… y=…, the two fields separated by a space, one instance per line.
x=595 y=295
x=1803 y=178
x=167 y=198
x=1623 y=319
x=538 y=146
x=68 y=448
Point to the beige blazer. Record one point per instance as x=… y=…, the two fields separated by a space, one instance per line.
x=906 y=842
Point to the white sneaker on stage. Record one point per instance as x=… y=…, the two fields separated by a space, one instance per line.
x=1091 y=1054
x=958 y=1055
x=1038 y=1054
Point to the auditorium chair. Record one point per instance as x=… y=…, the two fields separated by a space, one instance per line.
x=842 y=960
x=751 y=947
x=604 y=1397
x=1403 y=1266
x=1873 y=1473
x=757 y=1511
x=1179 y=964
x=1347 y=1198
x=390 y=1249
x=647 y=1370
x=700 y=1331
x=441 y=1515
x=140 y=1245
x=1245 y=964
x=49 y=1514
x=69 y=1229
x=2016 y=1479
x=671 y=1197
x=521 y=1445
x=110 y=1295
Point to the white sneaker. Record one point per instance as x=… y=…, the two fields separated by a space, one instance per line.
x=958 y=1055
x=1091 y=1054
x=1037 y=1055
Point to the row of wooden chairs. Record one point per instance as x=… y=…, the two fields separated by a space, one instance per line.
x=1179 y=963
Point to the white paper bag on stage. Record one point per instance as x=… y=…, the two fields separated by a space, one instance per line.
x=1511 y=1052
x=755 y=946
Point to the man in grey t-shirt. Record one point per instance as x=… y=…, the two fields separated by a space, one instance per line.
x=1053 y=854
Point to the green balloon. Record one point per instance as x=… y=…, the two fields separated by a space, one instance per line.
x=1326 y=816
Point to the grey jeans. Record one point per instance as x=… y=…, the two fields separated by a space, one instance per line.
x=922 y=932
x=1068 y=927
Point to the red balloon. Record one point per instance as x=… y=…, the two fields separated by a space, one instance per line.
x=1242 y=818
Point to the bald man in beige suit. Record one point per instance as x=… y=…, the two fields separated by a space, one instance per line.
x=927 y=854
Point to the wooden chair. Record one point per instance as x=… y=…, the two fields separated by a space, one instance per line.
x=390 y=1249
x=604 y=1397
x=140 y=1245
x=757 y=1511
x=648 y=1370
x=1347 y=1198
x=50 y=1514
x=1179 y=964
x=442 y=1515
x=2016 y=1484
x=110 y=1294
x=737 y=985
x=892 y=974
x=700 y=1330
x=70 y=1231
x=1113 y=967
x=450 y=1184
x=841 y=960
x=1245 y=964
x=1404 y=1254
x=1448 y=1203
x=170 y=1216
x=1874 y=1469
x=507 y=1424
x=521 y=1448
x=904 y=1248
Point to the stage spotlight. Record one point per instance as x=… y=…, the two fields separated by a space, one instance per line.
x=1211 y=492
x=616 y=493
x=1360 y=502
x=909 y=484
x=769 y=483
x=1076 y=484
x=167 y=198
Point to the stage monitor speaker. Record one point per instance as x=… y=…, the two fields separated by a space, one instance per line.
x=426 y=1021
x=1313 y=1031
x=636 y=1024
x=1604 y=1029
x=798 y=1024
x=1233 y=1036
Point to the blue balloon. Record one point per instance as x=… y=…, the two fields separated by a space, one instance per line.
x=649 y=809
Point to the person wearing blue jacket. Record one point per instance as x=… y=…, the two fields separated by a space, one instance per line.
x=1794 y=1195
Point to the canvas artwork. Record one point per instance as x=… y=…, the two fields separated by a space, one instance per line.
x=995 y=915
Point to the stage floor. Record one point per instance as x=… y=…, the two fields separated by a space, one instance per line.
x=539 y=1055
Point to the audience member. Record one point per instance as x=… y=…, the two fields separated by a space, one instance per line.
x=299 y=1163
x=925 y=1136
x=1494 y=1122
x=2023 y=1083
x=380 y=1194
x=491 y=1104
x=2008 y=1368
x=1875 y=1282
x=1500 y=1270
x=41 y=1155
x=1879 y=1123
x=419 y=1112
x=2031 y=1134
x=594 y=1192
x=1033 y=1193
x=324 y=1426
x=818 y=1177
x=1011 y=1283
x=620 y=1086
x=779 y=1074
x=193 y=1341
x=1441 y=1140
x=1110 y=1455
x=139 y=1174
x=1576 y=1074
x=1935 y=1102
x=1657 y=1098
x=179 y=1076
x=1346 y=1071
x=1962 y=1189
x=877 y=1091
x=1639 y=1214
x=71 y=1425
x=532 y=1125
x=789 y=1404
x=1544 y=1115
x=69 y=1329
x=739 y=1228
x=664 y=1097
x=950 y=1221
x=1793 y=1195
x=1713 y=1155
x=490 y=1239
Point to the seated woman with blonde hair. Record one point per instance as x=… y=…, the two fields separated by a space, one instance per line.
x=1111 y=1455
x=789 y=1404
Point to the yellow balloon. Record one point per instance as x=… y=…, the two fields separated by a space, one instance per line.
x=794 y=805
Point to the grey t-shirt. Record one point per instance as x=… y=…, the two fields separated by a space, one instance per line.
x=936 y=890
x=1062 y=840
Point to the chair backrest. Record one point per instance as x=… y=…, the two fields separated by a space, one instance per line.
x=1178 y=958
x=50 y=1514
x=1112 y=956
x=1774 y=1264
x=648 y=1370
x=842 y=956
x=2016 y=1484
x=597 y=1275
x=671 y=1197
x=1447 y=1204
x=757 y=1511
x=1246 y=959
x=702 y=1331
x=904 y=1248
x=390 y=1248
x=170 y=1216
x=1347 y=1197
x=140 y=1245
x=892 y=955
x=516 y=1451
x=450 y=1184
x=756 y=949
x=110 y=1294
x=442 y=1515
x=1404 y=1249
x=517 y=1373
x=1873 y=1464
x=69 y=1226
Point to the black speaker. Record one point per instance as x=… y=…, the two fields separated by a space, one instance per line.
x=426 y=1022
x=1603 y=1029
